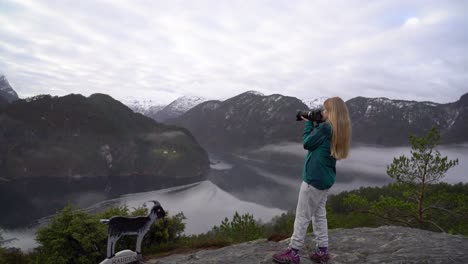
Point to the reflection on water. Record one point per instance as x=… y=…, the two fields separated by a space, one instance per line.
x=264 y=182
x=31 y=199
x=204 y=204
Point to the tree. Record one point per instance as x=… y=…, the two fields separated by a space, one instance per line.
x=240 y=228
x=416 y=174
x=415 y=199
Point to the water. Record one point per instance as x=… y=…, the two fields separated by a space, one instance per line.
x=264 y=182
x=204 y=205
x=271 y=175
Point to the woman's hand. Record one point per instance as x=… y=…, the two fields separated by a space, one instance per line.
x=303 y=118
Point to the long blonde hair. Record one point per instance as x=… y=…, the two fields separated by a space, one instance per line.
x=338 y=116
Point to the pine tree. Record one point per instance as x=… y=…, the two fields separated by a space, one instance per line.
x=416 y=173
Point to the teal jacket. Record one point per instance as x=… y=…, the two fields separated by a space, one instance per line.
x=319 y=165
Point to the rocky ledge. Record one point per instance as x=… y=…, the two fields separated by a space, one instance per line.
x=387 y=244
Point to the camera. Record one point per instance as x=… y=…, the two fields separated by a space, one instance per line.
x=312 y=115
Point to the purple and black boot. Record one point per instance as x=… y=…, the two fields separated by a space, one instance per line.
x=288 y=256
x=320 y=255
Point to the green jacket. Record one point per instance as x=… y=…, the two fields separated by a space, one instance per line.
x=319 y=166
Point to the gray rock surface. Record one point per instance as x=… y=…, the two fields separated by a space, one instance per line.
x=387 y=244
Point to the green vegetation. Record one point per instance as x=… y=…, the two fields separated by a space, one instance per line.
x=74 y=236
x=388 y=205
x=79 y=237
x=416 y=199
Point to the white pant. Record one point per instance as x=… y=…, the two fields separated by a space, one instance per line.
x=310 y=206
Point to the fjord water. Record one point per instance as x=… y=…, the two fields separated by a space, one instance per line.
x=264 y=182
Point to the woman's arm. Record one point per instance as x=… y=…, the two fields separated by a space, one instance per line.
x=313 y=137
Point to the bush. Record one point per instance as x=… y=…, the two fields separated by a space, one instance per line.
x=75 y=236
x=240 y=228
x=72 y=237
x=280 y=227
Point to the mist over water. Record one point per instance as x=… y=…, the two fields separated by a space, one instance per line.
x=372 y=160
x=264 y=182
x=271 y=175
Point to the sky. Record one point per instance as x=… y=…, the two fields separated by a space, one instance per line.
x=161 y=50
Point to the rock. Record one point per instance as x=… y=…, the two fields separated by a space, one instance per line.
x=386 y=244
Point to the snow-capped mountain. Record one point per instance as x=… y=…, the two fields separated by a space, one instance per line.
x=253 y=92
x=250 y=119
x=146 y=106
x=6 y=91
x=314 y=103
x=178 y=107
x=384 y=121
x=246 y=120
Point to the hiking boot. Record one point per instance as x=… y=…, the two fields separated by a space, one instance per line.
x=289 y=256
x=320 y=256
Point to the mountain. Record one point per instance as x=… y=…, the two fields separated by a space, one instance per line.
x=246 y=120
x=147 y=107
x=315 y=102
x=389 y=122
x=6 y=91
x=458 y=122
x=153 y=110
x=3 y=103
x=75 y=136
x=177 y=108
x=251 y=119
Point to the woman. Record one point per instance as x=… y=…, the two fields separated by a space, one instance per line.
x=326 y=143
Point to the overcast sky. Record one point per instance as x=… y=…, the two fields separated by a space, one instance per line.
x=400 y=49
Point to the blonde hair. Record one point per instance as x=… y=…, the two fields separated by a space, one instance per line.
x=338 y=117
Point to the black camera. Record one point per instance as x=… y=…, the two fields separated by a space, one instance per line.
x=313 y=115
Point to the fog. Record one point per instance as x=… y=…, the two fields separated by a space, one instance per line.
x=373 y=160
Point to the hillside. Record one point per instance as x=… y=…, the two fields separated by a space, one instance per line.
x=250 y=120
x=77 y=136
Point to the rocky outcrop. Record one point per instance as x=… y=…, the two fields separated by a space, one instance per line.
x=387 y=244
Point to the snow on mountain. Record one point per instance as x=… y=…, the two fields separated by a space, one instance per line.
x=3 y=83
x=178 y=107
x=185 y=103
x=145 y=106
x=315 y=103
x=6 y=91
x=255 y=93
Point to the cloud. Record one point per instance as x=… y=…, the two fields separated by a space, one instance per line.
x=217 y=49
x=411 y=22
